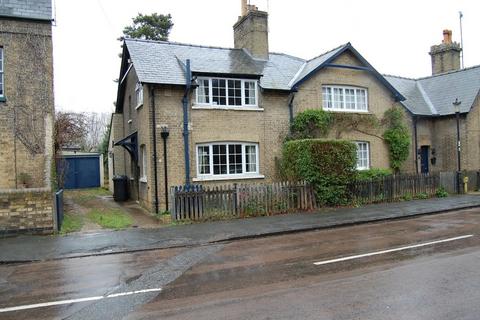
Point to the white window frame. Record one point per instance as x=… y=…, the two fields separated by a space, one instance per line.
x=343 y=108
x=139 y=94
x=367 y=144
x=210 y=93
x=243 y=175
x=2 y=78
x=143 y=154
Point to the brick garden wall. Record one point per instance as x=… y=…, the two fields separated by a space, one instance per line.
x=26 y=210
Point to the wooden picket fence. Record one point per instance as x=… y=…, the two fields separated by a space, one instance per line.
x=394 y=188
x=197 y=202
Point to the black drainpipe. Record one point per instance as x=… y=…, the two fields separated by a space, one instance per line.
x=290 y=106
x=165 y=133
x=415 y=119
x=185 y=101
x=154 y=133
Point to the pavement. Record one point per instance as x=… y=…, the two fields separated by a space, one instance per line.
x=27 y=248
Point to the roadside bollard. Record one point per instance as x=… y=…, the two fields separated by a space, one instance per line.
x=465 y=184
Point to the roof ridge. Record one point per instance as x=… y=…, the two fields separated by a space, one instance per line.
x=179 y=44
x=326 y=52
x=425 y=97
x=449 y=72
x=288 y=55
x=399 y=77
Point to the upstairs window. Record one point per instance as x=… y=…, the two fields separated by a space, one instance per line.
x=139 y=94
x=227 y=159
x=2 y=93
x=219 y=92
x=348 y=99
x=363 y=155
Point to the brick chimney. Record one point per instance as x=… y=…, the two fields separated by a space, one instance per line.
x=251 y=31
x=445 y=56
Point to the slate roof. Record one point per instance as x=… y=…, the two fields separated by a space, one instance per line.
x=26 y=9
x=316 y=62
x=161 y=62
x=434 y=95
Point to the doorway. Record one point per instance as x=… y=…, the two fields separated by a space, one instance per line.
x=424 y=158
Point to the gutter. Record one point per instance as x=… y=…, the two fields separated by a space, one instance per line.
x=154 y=134
x=185 y=100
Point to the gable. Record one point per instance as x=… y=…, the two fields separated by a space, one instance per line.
x=343 y=57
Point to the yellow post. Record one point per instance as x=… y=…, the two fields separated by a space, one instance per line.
x=465 y=184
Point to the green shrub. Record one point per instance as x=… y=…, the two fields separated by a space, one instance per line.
x=328 y=165
x=422 y=196
x=373 y=174
x=407 y=197
x=441 y=193
x=306 y=123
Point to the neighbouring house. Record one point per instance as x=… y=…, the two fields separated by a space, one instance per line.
x=207 y=115
x=26 y=116
x=430 y=102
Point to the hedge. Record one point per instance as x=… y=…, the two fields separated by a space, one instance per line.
x=328 y=165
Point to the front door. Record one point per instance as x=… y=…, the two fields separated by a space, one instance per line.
x=424 y=154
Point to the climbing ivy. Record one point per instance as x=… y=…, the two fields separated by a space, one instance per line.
x=309 y=123
x=397 y=137
x=314 y=123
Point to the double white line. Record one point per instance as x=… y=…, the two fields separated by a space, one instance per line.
x=62 y=302
x=391 y=250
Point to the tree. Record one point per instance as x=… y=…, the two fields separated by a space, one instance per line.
x=149 y=27
x=70 y=129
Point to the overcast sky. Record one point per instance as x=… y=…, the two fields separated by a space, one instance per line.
x=394 y=36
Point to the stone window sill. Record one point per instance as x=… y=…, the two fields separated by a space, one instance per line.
x=200 y=107
x=226 y=178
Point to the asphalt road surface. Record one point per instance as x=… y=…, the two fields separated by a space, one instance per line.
x=422 y=268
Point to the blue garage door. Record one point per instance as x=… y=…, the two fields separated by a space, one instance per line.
x=82 y=172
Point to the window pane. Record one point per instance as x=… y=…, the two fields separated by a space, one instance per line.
x=362 y=155
x=338 y=98
x=327 y=98
x=203 y=91
x=350 y=99
x=234 y=92
x=219 y=159
x=251 y=158
x=250 y=97
x=361 y=99
x=219 y=92
x=235 y=158
x=204 y=159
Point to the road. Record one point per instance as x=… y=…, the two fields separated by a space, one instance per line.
x=422 y=268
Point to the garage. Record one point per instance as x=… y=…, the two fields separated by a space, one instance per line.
x=81 y=170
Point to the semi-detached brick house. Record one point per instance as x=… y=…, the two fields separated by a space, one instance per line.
x=227 y=111
x=26 y=116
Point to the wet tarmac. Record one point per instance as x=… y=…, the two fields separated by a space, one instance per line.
x=270 y=278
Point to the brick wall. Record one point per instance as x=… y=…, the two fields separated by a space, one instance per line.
x=26 y=126
x=26 y=115
x=26 y=210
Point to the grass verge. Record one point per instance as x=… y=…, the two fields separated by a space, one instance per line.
x=71 y=223
x=110 y=218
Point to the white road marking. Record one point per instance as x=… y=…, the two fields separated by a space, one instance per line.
x=391 y=250
x=62 y=302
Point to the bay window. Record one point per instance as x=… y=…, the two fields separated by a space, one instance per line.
x=350 y=99
x=227 y=159
x=220 y=92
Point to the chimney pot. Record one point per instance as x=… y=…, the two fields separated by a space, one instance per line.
x=447 y=36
